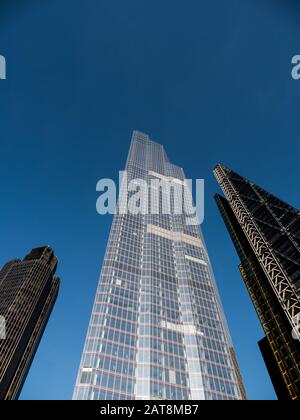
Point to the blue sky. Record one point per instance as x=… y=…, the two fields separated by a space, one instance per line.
x=209 y=79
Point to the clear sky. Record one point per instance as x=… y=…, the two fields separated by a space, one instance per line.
x=209 y=79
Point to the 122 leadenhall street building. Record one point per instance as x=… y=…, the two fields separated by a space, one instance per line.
x=266 y=234
x=157 y=329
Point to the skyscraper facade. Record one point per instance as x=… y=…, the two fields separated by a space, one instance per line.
x=28 y=290
x=157 y=329
x=266 y=234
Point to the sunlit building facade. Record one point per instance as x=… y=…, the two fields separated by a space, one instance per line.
x=157 y=329
x=28 y=291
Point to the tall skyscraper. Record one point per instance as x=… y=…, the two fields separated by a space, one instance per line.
x=157 y=329
x=266 y=234
x=28 y=290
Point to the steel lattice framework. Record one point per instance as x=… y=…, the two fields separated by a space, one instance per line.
x=281 y=220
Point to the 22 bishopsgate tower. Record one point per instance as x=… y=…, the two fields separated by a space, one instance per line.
x=266 y=233
x=157 y=329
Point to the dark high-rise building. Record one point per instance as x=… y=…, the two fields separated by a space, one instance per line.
x=266 y=234
x=157 y=329
x=28 y=290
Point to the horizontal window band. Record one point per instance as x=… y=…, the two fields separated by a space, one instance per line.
x=167 y=178
x=174 y=236
x=197 y=260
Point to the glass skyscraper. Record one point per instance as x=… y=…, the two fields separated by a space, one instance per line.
x=157 y=329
